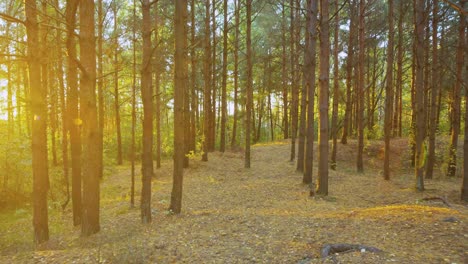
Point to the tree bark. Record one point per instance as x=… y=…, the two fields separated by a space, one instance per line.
x=309 y=73
x=249 y=90
x=39 y=127
x=456 y=97
x=389 y=93
x=236 y=72
x=336 y=87
x=434 y=92
x=134 y=80
x=180 y=88
x=90 y=218
x=147 y=98
x=116 y=87
x=222 y=145
x=324 y=86
x=100 y=89
x=360 y=86
x=207 y=85
x=284 y=76
x=419 y=94
x=294 y=87
x=74 y=117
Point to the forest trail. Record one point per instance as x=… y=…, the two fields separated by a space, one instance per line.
x=260 y=215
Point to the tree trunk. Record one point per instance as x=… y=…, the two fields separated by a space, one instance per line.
x=294 y=86
x=90 y=219
x=116 y=88
x=284 y=76
x=214 y=78
x=456 y=102
x=389 y=92
x=157 y=88
x=147 y=98
x=193 y=91
x=100 y=89
x=360 y=86
x=39 y=127
x=399 y=78
x=309 y=73
x=324 y=79
x=249 y=90
x=434 y=92
x=207 y=85
x=347 y=122
x=236 y=72
x=180 y=88
x=74 y=122
x=134 y=80
x=222 y=144
x=336 y=87
x=419 y=94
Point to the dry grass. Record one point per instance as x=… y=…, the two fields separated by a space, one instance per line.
x=260 y=215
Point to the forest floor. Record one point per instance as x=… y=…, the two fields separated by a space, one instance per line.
x=260 y=215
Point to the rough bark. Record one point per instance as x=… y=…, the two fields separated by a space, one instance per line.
x=147 y=98
x=180 y=89
x=207 y=85
x=116 y=87
x=336 y=88
x=309 y=64
x=90 y=218
x=324 y=86
x=360 y=86
x=389 y=93
x=236 y=72
x=39 y=127
x=222 y=145
x=419 y=94
x=249 y=90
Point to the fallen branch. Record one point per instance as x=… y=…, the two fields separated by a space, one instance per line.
x=331 y=249
x=437 y=198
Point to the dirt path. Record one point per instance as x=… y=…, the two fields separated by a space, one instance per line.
x=260 y=215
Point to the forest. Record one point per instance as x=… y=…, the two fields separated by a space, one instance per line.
x=233 y=131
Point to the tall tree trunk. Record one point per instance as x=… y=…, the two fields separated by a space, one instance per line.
x=157 y=84
x=322 y=179
x=434 y=92
x=147 y=98
x=116 y=87
x=309 y=73
x=180 y=88
x=134 y=80
x=100 y=89
x=399 y=77
x=284 y=75
x=214 y=78
x=39 y=127
x=456 y=102
x=236 y=71
x=193 y=91
x=294 y=86
x=74 y=117
x=360 y=86
x=222 y=144
x=419 y=94
x=207 y=85
x=249 y=90
x=90 y=219
x=464 y=189
x=336 y=87
x=347 y=121
x=389 y=92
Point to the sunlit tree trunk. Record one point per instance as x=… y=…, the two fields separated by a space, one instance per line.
x=134 y=79
x=193 y=91
x=74 y=121
x=336 y=87
x=116 y=86
x=322 y=179
x=207 y=84
x=347 y=121
x=309 y=73
x=147 y=98
x=214 y=63
x=180 y=89
x=39 y=127
x=389 y=93
x=419 y=94
x=456 y=97
x=157 y=84
x=294 y=86
x=90 y=217
x=100 y=89
x=398 y=109
x=249 y=90
x=434 y=92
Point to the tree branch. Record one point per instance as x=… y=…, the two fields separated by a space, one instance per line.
x=12 y=19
